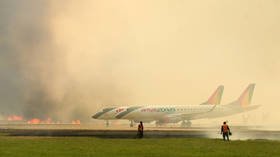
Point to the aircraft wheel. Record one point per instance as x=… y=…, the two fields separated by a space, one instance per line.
x=189 y=124
x=186 y=124
x=157 y=124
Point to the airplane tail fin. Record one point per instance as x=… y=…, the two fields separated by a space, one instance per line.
x=245 y=98
x=216 y=97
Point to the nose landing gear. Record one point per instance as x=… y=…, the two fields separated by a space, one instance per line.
x=131 y=124
x=107 y=123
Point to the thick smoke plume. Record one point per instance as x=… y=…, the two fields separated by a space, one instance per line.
x=35 y=81
x=26 y=40
x=36 y=63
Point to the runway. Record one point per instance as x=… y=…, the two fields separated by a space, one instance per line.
x=239 y=133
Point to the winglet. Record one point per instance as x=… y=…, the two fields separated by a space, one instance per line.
x=216 y=97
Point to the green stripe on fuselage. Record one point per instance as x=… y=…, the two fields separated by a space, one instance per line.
x=97 y=115
x=128 y=110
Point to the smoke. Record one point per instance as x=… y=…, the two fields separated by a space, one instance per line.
x=67 y=59
x=44 y=77
x=35 y=59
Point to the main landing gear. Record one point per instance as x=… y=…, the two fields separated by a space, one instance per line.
x=186 y=124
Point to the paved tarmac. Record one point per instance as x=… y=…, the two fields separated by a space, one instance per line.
x=239 y=132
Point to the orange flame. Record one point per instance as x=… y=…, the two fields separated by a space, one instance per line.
x=15 y=118
x=78 y=122
x=34 y=121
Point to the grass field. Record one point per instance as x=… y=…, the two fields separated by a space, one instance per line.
x=18 y=146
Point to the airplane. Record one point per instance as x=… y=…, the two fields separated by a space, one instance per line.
x=176 y=113
x=110 y=113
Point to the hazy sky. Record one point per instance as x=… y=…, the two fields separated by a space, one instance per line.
x=81 y=55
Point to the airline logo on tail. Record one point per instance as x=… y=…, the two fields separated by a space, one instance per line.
x=246 y=97
x=216 y=97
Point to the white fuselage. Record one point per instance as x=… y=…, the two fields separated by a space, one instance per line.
x=175 y=113
x=154 y=112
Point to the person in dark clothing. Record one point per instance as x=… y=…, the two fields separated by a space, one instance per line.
x=225 y=131
x=140 y=130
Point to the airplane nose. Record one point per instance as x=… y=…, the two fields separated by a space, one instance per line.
x=97 y=115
